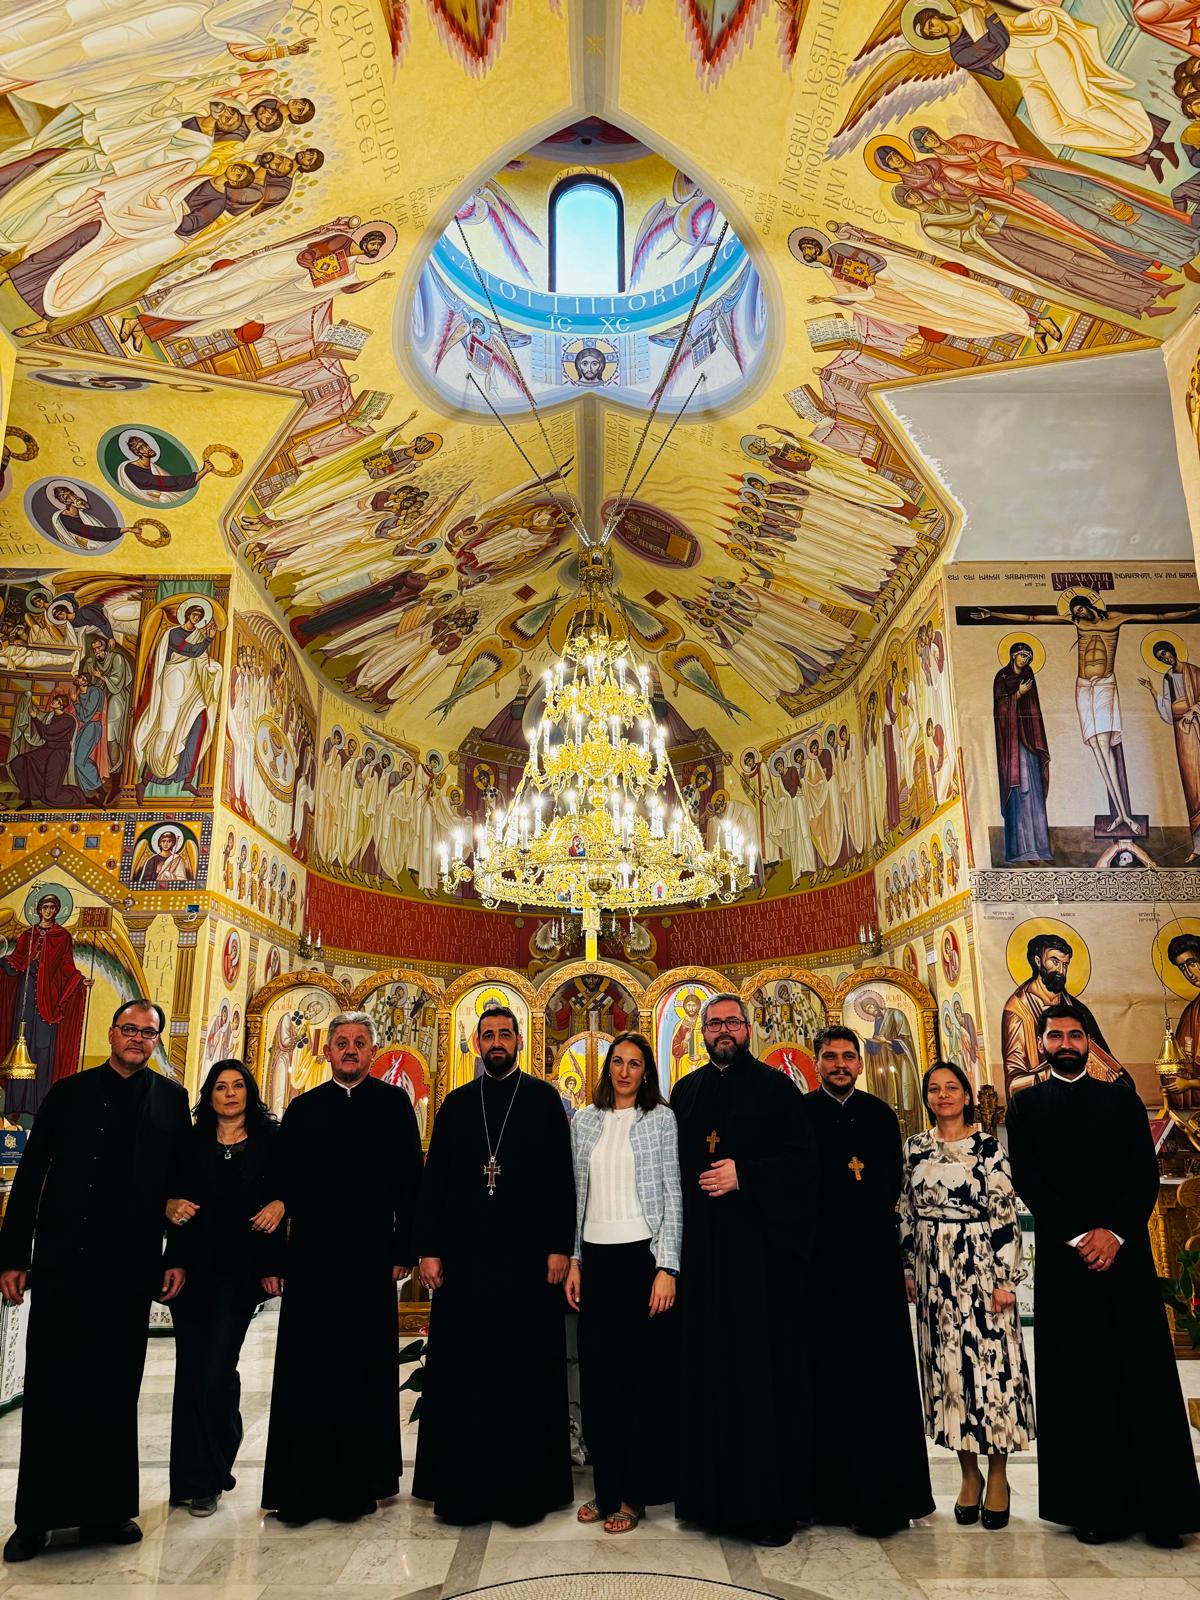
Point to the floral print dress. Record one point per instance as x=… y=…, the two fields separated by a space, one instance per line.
x=961 y=1239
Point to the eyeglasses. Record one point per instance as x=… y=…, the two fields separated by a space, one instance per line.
x=725 y=1024
x=130 y=1032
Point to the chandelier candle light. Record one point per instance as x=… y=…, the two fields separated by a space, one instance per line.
x=598 y=822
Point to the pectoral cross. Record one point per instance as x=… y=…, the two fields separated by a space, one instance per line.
x=856 y=1167
x=713 y=1141
x=491 y=1172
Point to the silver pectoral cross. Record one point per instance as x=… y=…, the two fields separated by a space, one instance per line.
x=491 y=1172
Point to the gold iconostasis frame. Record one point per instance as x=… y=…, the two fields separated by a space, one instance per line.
x=830 y=1004
x=818 y=1003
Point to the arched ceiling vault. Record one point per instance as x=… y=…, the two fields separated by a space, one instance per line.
x=915 y=192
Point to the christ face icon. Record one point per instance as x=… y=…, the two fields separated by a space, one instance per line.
x=589 y=364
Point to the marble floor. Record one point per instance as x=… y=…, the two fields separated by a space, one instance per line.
x=239 y=1554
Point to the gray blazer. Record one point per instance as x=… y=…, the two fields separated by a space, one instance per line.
x=655 y=1142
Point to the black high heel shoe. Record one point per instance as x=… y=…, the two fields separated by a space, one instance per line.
x=965 y=1515
x=994 y=1520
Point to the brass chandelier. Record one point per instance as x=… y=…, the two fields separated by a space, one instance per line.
x=598 y=822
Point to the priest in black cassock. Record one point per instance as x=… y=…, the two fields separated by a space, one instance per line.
x=748 y=1170
x=350 y=1165
x=495 y=1234
x=1114 y=1446
x=84 y=1235
x=858 y=1288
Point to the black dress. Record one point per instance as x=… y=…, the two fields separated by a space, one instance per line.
x=1114 y=1446
x=866 y=1312
x=351 y=1164
x=87 y=1205
x=486 y=1390
x=744 y=1302
x=225 y=1261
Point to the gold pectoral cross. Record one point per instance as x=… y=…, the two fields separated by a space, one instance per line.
x=856 y=1167
x=713 y=1141
x=491 y=1172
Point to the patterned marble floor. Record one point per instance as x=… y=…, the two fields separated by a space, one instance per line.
x=239 y=1554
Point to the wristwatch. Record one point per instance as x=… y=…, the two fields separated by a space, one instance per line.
x=670 y=1271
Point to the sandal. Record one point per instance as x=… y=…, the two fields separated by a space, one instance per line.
x=588 y=1512
x=622 y=1521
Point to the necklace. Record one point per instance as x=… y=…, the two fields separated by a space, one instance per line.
x=228 y=1144
x=492 y=1171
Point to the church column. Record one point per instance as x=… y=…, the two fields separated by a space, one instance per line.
x=181 y=999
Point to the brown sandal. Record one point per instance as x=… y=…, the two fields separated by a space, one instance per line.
x=622 y=1521
x=588 y=1512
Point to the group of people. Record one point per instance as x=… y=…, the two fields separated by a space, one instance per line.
x=741 y=1258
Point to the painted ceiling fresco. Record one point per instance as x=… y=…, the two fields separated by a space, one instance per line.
x=312 y=248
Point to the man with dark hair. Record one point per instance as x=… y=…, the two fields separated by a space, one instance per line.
x=1083 y=1162
x=859 y=1167
x=496 y=1227
x=87 y=1212
x=746 y=1162
x=1049 y=956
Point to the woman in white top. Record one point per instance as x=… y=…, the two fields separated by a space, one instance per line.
x=622 y=1282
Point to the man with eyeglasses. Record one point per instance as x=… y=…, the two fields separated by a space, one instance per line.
x=84 y=1235
x=748 y=1169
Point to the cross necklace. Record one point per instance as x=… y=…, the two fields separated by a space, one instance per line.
x=492 y=1170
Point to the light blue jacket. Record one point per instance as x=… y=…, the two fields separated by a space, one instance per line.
x=655 y=1142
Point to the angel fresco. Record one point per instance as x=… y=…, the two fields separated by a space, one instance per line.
x=923 y=50
x=487 y=351
x=688 y=218
x=489 y=204
x=165 y=856
x=267 y=286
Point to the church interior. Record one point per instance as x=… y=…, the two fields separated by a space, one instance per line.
x=766 y=431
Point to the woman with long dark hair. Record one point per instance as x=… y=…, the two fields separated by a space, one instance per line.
x=961 y=1243
x=226 y=1231
x=622 y=1283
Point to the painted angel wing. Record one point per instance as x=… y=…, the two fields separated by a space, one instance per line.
x=898 y=83
x=658 y=222
x=487 y=663
x=693 y=667
x=454 y=327
x=502 y=365
x=511 y=210
x=503 y=217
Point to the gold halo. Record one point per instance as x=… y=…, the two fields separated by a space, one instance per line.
x=1036 y=646
x=874 y=146
x=1151 y=639
x=189 y=388
x=914 y=41
x=1077 y=591
x=158 y=527
x=1081 y=957
x=1167 y=971
x=235 y=461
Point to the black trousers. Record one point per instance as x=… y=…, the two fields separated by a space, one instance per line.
x=211 y=1316
x=627 y=1378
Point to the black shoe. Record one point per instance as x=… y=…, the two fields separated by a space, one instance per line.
x=993 y=1520
x=965 y=1515
x=126 y=1532
x=1165 y=1541
x=25 y=1543
x=772 y=1537
x=351 y=1513
x=294 y=1517
x=203 y=1505
x=1099 y=1536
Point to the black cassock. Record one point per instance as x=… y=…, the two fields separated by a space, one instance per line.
x=350 y=1168
x=1114 y=1445
x=743 y=1302
x=88 y=1203
x=859 y=1299
x=494 y=1441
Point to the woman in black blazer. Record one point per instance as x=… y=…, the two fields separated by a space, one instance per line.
x=226 y=1231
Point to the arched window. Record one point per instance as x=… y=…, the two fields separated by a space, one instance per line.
x=587 y=238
